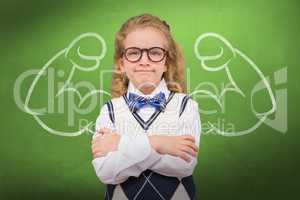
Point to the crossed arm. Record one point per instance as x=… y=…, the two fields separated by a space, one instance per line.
x=117 y=157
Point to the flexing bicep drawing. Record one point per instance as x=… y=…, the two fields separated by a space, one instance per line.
x=244 y=84
x=61 y=93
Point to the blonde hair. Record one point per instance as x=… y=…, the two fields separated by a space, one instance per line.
x=174 y=75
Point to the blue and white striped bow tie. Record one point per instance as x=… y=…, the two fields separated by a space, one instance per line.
x=136 y=102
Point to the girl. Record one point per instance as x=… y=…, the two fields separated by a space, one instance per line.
x=148 y=135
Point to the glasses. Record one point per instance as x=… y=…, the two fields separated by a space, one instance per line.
x=154 y=54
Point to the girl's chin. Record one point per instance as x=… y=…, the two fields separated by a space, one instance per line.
x=146 y=82
x=144 y=77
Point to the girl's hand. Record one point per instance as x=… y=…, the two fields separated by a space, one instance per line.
x=181 y=146
x=105 y=142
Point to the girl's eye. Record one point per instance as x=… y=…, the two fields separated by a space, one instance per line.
x=156 y=53
x=132 y=53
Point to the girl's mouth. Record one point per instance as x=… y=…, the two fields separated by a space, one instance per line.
x=144 y=71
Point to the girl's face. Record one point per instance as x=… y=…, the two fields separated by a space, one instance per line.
x=144 y=72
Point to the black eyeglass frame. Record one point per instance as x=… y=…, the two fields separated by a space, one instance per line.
x=165 y=52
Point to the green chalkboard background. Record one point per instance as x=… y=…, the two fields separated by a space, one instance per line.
x=263 y=164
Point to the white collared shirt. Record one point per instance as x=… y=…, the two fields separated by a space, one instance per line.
x=135 y=154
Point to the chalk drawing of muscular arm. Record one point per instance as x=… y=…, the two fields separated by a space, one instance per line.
x=233 y=72
x=65 y=72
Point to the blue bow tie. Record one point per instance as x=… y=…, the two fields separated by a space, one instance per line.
x=136 y=102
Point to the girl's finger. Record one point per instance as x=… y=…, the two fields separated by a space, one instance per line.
x=105 y=130
x=96 y=136
x=99 y=132
x=191 y=145
x=189 y=138
x=185 y=157
x=95 y=151
x=97 y=155
x=189 y=150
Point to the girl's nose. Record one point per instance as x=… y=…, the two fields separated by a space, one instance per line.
x=144 y=59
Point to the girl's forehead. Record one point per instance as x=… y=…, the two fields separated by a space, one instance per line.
x=145 y=38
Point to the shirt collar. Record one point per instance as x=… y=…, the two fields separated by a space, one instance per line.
x=162 y=87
